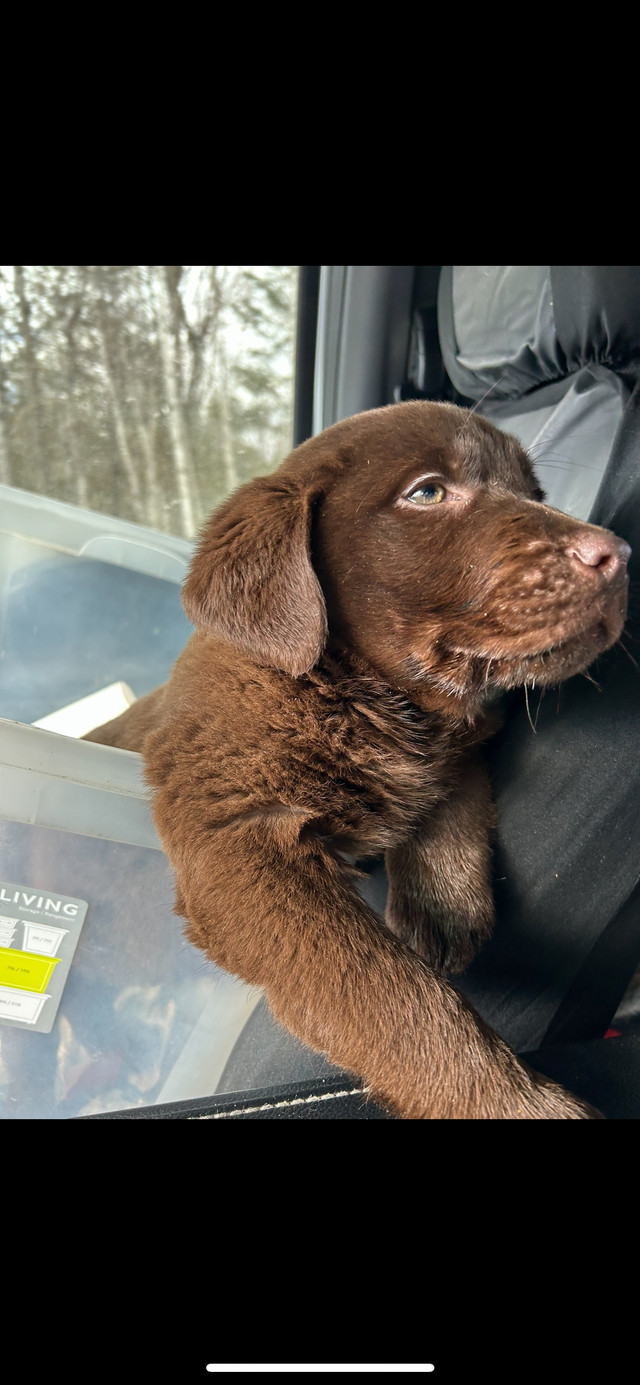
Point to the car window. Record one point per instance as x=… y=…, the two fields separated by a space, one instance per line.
x=146 y=392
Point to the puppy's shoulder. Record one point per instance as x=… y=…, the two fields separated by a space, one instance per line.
x=217 y=687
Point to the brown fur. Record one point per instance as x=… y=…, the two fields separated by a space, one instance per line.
x=349 y=644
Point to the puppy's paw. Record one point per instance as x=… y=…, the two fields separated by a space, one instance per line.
x=547 y=1101
x=458 y=947
x=448 y=946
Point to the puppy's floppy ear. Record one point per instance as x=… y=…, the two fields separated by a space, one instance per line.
x=251 y=579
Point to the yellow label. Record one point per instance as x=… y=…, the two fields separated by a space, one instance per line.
x=23 y=970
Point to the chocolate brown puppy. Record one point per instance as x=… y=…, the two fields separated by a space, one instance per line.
x=357 y=612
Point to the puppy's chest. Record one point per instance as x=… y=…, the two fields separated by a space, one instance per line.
x=377 y=767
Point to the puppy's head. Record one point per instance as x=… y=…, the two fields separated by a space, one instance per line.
x=417 y=537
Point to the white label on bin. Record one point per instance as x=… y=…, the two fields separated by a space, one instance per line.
x=39 y=939
x=37 y=942
x=19 y=1005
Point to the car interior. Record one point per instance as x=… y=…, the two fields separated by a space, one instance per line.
x=140 y=1027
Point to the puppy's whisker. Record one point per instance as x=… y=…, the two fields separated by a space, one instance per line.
x=559 y=465
x=538 y=455
x=542 y=692
x=628 y=654
x=482 y=398
x=526 y=698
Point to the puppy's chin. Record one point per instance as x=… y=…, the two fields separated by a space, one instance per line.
x=446 y=674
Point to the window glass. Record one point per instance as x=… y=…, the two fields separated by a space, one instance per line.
x=145 y=391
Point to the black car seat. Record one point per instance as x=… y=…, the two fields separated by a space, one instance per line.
x=551 y=354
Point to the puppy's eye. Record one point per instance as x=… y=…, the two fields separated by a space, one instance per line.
x=427 y=493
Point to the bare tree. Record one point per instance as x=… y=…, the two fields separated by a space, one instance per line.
x=108 y=366
x=37 y=436
x=5 y=451
x=69 y=303
x=183 y=466
x=201 y=334
x=226 y=439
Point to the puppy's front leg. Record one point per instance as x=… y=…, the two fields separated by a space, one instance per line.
x=267 y=900
x=130 y=730
x=440 y=900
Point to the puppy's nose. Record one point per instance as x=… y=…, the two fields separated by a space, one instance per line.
x=600 y=550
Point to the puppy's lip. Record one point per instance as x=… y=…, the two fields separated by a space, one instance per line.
x=565 y=645
x=589 y=630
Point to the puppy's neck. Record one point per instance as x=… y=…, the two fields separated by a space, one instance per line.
x=439 y=695
x=455 y=687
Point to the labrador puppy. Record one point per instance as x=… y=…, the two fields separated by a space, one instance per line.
x=357 y=613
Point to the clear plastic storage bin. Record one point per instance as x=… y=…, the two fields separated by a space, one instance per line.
x=85 y=601
x=142 y=1017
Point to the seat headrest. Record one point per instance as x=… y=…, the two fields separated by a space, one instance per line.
x=512 y=328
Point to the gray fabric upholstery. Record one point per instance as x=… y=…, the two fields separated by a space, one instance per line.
x=497 y=329
x=568 y=430
x=500 y=347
